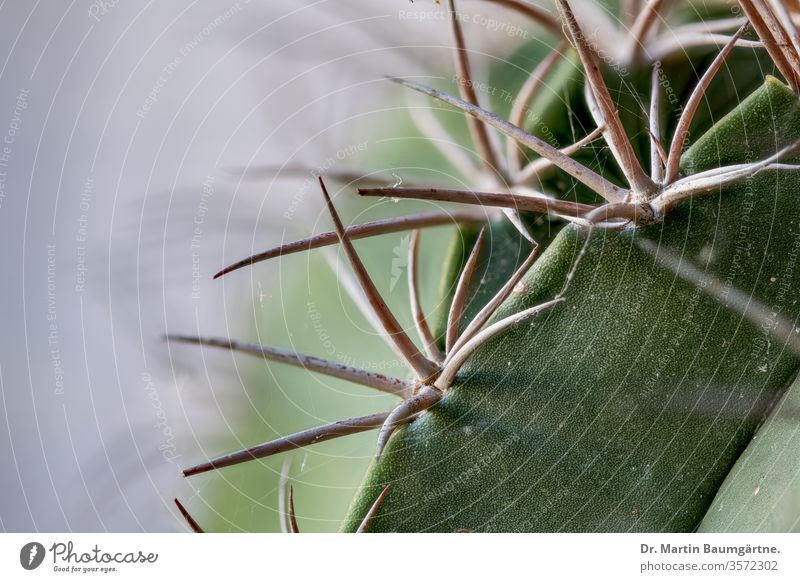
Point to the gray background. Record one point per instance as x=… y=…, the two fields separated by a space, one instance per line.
x=127 y=109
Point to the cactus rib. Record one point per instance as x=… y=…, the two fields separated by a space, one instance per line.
x=750 y=308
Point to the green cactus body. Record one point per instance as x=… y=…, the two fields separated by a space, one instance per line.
x=760 y=494
x=625 y=403
x=625 y=407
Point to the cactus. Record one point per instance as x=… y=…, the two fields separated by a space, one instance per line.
x=621 y=311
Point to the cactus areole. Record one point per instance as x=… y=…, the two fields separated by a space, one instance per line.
x=610 y=355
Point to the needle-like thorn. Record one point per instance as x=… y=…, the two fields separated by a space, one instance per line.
x=330 y=368
x=304 y=438
x=421 y=365
x=195 y=527
x=368 y=229
x=372 y=511
x=592 y=179
x=656 y=164
x=535 y=13
x=431 y=348
x=456 y=360
x=525 y=96
x=490 y=308
x=686 y=118
x=292 y=517
x=406 y=411
x=755 y=13
x=542 y=204
x=644 y=23
x=462 y=293
x=539 y=165
x=616 y=135
x=466 y=87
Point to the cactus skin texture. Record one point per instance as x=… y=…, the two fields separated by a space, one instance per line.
x=761 y=492
x=624 y=408
x=660 y=368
